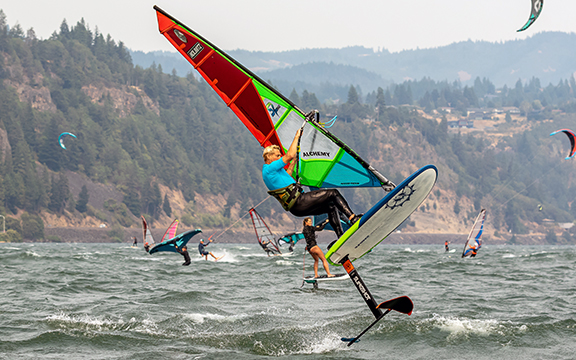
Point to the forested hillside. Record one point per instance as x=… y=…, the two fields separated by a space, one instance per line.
x=169 y=147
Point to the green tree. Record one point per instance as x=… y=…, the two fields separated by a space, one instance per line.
x=132 y=200
x=10 y=236
x=456 y=207
x=551 y=237
x=166 y=206
x=49 y=151
x=32 y=227
x=352 y=96
x=83 y=197
x=14 y=224
x=59 y=193
x=294 y=97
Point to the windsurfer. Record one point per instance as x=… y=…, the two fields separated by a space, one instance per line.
x=309 y=232
x=135 y=242
x=285 y=189
x=265 y=245
x=446 y=245
x=473 y=251
x=147 y=247
x=202 y=251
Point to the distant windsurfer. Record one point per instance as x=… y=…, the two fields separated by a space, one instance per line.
x=202 y=251
x=446 y=245
x=147 y=247
x=135 y=242
x=265 y=245
x=309 y=232
x=473 y=251
x=290 y=195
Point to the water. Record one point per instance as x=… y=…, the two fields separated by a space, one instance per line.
x=110 y=301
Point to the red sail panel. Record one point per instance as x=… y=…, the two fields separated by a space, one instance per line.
x=229 y=81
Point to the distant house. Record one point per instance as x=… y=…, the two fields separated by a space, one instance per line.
x=566 y=226
x=446 y=109
x=511 y=109
x=462 y=123
x=475 y=115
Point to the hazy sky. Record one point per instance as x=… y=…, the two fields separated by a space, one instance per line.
x=272 y=25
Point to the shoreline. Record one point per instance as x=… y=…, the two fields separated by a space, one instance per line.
x=99 y=235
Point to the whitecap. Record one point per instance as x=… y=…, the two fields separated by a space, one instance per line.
x=464 y=326
x=200 y=318
x=285 y=263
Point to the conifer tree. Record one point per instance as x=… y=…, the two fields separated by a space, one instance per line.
x=132 y=200
x=82 y=203
x=166 y=206
x=294 y=97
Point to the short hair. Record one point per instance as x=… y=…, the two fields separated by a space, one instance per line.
x=305 y=220
x=268 y=150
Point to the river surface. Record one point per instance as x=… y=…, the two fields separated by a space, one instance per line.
x=111 y=301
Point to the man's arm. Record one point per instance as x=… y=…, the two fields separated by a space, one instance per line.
x=290 y=168
x=291 y=153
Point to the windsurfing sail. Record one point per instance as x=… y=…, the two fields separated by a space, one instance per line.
x=474 y=241
x=61 y=139
x=534 y=13
x=180 y=240
x=325 y=161
x=265 y=237
x=171 y=231
x=571 y=137
x=147 y=235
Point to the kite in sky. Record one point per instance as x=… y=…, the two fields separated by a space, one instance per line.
x=61 y=138
x=572 y=139
x=536 y=10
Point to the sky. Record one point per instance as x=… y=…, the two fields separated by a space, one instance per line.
x=272 y=25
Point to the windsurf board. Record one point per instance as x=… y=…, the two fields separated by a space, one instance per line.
x=384 y=217
x=311 y=279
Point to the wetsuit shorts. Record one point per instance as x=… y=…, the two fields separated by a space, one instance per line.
x=310 y=244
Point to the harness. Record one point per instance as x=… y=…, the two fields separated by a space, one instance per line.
x=288 y=195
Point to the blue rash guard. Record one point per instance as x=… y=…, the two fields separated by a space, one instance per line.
x=274 y=175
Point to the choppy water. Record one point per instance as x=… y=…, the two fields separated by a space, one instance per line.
x=110 y=301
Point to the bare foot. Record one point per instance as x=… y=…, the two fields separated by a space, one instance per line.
x=331 y=275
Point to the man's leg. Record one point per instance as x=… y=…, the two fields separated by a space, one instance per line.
x=334 y=220
x=323 y=201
